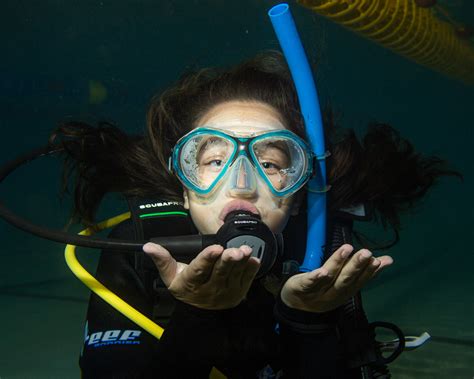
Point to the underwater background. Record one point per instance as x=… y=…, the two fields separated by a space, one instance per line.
x=99 y=60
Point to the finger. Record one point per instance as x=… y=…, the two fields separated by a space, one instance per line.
x=223 y=267
x=356 y=265
x=249 y=272
x=235 y=275
x=337 y=260
x=201 y=267
x=314 y=281
x=385 y=261
x=164 y=262
x=373 y=268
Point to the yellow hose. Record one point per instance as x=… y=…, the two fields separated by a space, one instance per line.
x=108 y=296
x=405 y=28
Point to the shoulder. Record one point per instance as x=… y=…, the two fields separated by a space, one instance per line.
x=124 y=230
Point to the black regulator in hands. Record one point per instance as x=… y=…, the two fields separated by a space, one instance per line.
x=243 y=228
x=240 y=228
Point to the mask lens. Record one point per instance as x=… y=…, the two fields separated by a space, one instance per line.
x=203 y=159
x=282 y=161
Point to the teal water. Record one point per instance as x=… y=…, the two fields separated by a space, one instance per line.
x=52 y=50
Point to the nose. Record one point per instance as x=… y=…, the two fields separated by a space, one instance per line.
x=243 y=183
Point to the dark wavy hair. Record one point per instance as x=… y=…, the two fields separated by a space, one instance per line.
x=383 y=170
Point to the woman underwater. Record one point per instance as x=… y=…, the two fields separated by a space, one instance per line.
x=221 y=315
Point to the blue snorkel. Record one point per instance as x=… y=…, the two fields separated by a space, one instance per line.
x=293 y=50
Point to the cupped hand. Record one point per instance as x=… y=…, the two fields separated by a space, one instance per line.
x=331 y=285
x=217 y=278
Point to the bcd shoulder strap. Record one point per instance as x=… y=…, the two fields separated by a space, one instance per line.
x=361 y=353
x=156 y=218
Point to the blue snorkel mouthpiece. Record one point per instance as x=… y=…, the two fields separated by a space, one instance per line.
x=295 y=56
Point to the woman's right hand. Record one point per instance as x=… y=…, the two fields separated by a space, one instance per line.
x=217 y=278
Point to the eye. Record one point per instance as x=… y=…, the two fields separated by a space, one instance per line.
x=271 y=168
x=215 y=163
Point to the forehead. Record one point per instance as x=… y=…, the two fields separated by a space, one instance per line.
x=241 y=117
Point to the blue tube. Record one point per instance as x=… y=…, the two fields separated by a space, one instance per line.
x=293 y=50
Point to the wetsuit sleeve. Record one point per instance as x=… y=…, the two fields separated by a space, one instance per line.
x=310 y=343
x=114 y=346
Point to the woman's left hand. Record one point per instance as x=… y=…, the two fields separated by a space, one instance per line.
x=331 y=285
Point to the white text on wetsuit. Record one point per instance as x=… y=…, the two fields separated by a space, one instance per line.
x=113 y=337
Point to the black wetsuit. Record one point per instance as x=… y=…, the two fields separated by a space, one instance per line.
x=242 y=342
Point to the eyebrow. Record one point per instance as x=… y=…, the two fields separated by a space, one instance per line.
x=278 y=145
x=205 y=142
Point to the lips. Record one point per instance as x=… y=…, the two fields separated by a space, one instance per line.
x=238 y=205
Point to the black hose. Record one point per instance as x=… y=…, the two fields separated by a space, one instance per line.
x=51 y=234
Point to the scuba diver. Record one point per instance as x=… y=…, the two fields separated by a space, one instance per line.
x=226 y=159
x=219 y=143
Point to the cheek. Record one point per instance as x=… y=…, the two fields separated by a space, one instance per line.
x=205 y=216
x=276 y=219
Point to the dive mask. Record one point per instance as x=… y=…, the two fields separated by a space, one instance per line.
x=205 y=157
